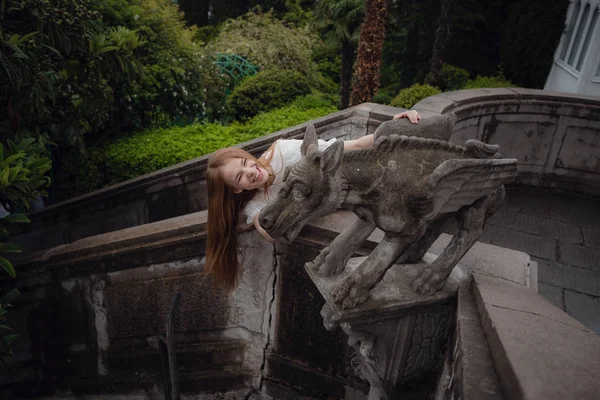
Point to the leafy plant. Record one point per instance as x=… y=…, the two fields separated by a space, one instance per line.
x=23 y=168
x=410 y=96
x=147 y=151
x=267 y=42
x=498 y=81
x=453 y=78
x=8 y=338
x=265 y=91
x=382 y=98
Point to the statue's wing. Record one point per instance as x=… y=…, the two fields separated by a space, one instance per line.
x=457 y=183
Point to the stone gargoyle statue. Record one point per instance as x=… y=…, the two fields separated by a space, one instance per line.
x=407 y=186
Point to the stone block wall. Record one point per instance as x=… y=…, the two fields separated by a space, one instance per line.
x=560 y=231
x=552 y=210
x=89 y=310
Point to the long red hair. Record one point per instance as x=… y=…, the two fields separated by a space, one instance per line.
x=224 y=208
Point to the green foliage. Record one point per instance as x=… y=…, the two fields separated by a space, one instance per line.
x=498 y=81
x=297 y=12
x=62 y=83
x=180 y=82
x=382 y=98
x=9 y=337
x=265 y=91
x=410 y=96
x=23 y=168
x=453 y=78
x=409 y=42
x=533 y=30
x=80 y=67
x=147 y=151
x=266 y=42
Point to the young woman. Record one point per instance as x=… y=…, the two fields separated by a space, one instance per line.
x=238 y=184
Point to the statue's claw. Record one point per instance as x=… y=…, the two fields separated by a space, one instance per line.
x=430 y=280
x=327 y=263
x=350 y=293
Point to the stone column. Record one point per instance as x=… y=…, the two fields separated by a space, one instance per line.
x=399 y=336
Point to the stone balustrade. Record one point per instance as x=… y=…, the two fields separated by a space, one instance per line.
x=89 y=308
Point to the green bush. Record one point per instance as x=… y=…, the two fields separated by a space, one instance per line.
x=75 y=68
x=453 y=78
x=410 y=96
x=266 y=91
x=180 y=82
x=266 y=41
x=23 y=168
x=148 y=151
x=498 y=81
x=382 y=98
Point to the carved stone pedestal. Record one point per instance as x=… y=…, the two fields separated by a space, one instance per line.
x=399 y=336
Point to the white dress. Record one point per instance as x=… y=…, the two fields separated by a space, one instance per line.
x=287 y=152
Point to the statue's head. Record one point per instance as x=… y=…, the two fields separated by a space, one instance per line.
x=311 y=188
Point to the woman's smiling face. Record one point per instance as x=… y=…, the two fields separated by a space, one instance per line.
x=243 y=174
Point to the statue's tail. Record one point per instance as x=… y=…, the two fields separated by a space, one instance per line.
x=482 y=150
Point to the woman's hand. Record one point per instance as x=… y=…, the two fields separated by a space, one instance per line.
x=412 y=115
x=260 y=230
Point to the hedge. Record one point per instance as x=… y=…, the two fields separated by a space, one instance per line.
x=151 y=150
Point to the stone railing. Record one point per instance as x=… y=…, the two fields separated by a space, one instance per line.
x=89 y=310
x=167 y=193
x=555 y=136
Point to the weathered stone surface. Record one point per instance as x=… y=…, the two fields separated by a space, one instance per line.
x=138 y=308
x=473 y=373
x=591 y=237
x=299 y=339
x=486 y=259
x=505 y=295
x=398 y=335
x=585 y=308
x=569 y=277
x=547 y=228
x=539 y=352
x=581 y=256
x=538 y=246
x=553 y=294
x=528 y=141
x=580 y=149
x=87 y=328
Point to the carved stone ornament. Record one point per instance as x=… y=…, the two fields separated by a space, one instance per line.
x=407 y=186
x=398 y=335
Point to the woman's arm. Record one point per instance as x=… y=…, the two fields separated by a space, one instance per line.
x=367 y=141
x=260 y=230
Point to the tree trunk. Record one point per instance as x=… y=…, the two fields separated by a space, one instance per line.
x=370 y=48
x=442 y=37
x=348 y=49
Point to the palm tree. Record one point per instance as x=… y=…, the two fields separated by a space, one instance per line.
x=338 y=22
x=370 y=48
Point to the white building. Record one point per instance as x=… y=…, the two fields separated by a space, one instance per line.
x=576 y=67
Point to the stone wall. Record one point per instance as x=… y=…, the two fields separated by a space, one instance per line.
x=555 y=136
x=88 y=312
x=552 y=210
